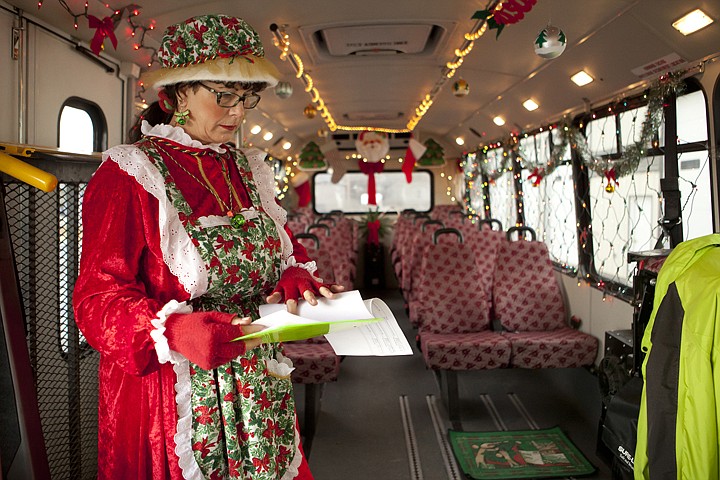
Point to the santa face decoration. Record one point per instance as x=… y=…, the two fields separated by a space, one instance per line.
x=372 y=145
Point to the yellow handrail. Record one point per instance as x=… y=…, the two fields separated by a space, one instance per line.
x=27 y=173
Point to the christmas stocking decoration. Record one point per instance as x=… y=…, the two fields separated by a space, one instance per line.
x=412 y=154
x=336 y=161
x=301 y=184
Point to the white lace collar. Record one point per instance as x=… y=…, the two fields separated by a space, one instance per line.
x=177 y=135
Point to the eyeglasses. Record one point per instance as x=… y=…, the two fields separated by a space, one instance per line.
x=229 y=99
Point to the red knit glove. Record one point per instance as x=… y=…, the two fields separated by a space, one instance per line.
x=204 y=337
x=293 y=283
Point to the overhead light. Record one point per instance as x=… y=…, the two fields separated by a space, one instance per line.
x=499 y=121
x=581 y=78
x=692 y=22
x=460 y=141
x=255 y=130
x=268 y=135
x=287 y=145
x=530 y=105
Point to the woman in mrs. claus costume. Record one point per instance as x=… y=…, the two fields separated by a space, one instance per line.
x=182 y=241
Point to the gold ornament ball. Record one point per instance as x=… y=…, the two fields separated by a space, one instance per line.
x=310 y=111
x=461 y=88
x=609 y=188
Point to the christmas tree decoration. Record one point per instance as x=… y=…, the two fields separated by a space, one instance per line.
x=373 y=146
x=510 y=11
x=414 y=151
x=461 y=88
x=550 y=42
x=434 y=155
x=311 y=158
x=310 y=111
x=283 y=90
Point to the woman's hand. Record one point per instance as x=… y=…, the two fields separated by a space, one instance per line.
x=296 y=282
x=247 y=329
x=206 y=338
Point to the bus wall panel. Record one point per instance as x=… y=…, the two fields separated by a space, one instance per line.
x=57 y=72
x=8 y=81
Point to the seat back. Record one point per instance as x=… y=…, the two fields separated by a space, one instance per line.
x=526 y=293
x=450 y=294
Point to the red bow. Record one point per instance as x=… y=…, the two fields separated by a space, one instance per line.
x=373 y=236
x=536 y=177
x=513 y=11
x=104 y=28
x=611 y=176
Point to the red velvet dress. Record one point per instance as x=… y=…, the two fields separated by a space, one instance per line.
x=150 y=249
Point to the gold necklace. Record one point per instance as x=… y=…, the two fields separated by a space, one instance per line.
x=237 y=220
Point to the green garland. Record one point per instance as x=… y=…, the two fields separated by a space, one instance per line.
x=505 y=163
x=568 y=135
x=627 y=164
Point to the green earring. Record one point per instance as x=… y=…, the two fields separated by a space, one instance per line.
x=181 y=117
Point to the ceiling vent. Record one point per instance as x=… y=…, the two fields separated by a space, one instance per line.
x=389 y=39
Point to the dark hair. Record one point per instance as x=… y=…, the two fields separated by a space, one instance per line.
x=155 y=115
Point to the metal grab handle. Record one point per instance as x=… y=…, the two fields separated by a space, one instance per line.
x=318 y=225
x=432 y=222
x=521 y=233
x=491 y=222
x=309 y=236
x=441 y=231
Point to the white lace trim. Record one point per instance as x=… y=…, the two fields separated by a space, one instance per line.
x=184 y=432
x=179 y=253
x=311 y=267
x=265 y=184
x=294 y=468
x=177 y=135
x=158 y=335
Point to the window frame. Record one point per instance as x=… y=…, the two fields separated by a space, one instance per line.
x=97 y=117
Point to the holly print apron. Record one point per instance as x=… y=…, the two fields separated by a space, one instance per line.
x=243 y=417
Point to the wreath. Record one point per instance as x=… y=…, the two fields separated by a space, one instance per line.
x=568 y=136
x=482 y=160
x=627 y=164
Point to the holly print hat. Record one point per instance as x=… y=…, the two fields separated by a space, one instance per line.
x=214 y=48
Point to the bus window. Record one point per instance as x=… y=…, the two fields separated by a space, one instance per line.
x=82 y=127
x=694 y=165
x=502 y=191
x=474 y=185
x=549 y=204
x=626 y=210
x=626 y=213
x=393 y=193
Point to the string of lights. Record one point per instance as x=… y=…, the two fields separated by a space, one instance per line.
x=282 y=42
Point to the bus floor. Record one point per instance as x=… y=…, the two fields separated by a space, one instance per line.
x=384 y=419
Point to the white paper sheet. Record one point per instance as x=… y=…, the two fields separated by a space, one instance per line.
x=382 y=338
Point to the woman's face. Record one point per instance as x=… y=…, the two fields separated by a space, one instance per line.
x=208 y=122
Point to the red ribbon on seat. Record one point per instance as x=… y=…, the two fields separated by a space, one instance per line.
x=373 y=235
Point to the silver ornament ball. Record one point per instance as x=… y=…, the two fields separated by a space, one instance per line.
x=550 y=42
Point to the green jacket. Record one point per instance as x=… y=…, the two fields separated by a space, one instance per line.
x=680 y=406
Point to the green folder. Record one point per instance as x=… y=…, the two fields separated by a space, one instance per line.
x=307 y=329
